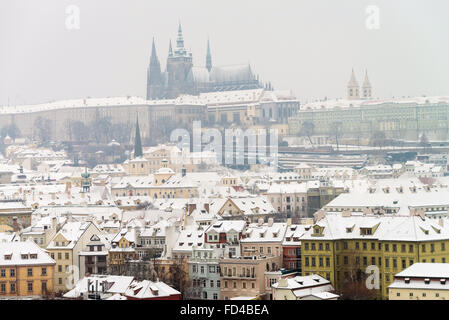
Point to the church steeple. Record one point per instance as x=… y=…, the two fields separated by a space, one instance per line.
x=366 y=87
x=208 y=57
x=353 y=87
x=137 y=141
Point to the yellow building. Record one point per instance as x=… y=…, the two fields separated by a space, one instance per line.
x=421 y=281
x=342 y=246
x=122 y=250
x=25 y=270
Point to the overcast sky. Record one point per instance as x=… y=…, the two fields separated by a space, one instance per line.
x=306 y=46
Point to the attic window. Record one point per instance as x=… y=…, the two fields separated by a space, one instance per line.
x=427 y=281
x=8 y=256
x=407 y=280
x=24 y=256
x=181 y=243
x=443 y=281
x=33 y=256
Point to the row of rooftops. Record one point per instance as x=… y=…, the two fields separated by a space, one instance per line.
x=203 y=99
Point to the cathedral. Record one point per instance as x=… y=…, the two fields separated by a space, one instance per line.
x=181 y=77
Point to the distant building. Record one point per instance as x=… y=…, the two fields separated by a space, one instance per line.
x=181 y=77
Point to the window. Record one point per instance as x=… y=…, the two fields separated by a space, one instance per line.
x=30 y=272
x=327 y=247
x=12 y=287
x=44 y=271
x=410 y=248
x=12 y=272
x=44 y=286
x=394 y=248
x=3 y=273
x=215 y=296
x=30 y=286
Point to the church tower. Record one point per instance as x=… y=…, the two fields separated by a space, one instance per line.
x=154 y=77
x=366 y=87
x=353 y=88
x=179 y=66
x=208 y=57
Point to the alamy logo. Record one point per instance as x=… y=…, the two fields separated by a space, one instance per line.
x=257 y=147
x=372 y=21
x=72 y=20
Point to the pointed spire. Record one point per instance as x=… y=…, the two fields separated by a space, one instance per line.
x=352 y=82
x=137 y=141
x=153 y=58
x=170 y=50
x=366 y=82
x=180 y=41
x=208 y=57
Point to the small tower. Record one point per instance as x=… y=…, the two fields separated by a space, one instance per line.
x=137 y=141
x=366 y=87
x=208 y=57
x=353 y=88
x=86 y=183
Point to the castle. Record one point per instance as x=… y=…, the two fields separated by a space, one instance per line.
x=181 y=77
x=354 y=88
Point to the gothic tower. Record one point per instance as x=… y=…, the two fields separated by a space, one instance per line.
x=154 y=80
x=208 y=57
x=366 y=87
x=353 y=88
x=179 y=66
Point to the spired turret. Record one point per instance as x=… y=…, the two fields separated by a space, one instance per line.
x=353 y=88
x=366 y=87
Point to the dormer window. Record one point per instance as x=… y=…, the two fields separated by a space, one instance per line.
x=33 y=256
x=24 y=256
x=8 y=256
x=407 y=280
x=427 y=281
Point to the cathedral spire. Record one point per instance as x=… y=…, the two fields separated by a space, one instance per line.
x=180 y=42
x=170 y=50
x=208 y=57
x=137 y=141
x=153 y=58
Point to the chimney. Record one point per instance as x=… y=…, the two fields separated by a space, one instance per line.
x=320 y=214
x=184 y=171
x=270 y=222
x=53 y=196
x=289 y=222
x=441 y=222
x=53 y=223
x=346 y=213
x=68 y=186
x=283 y=283
x=260 y=222
x=206 y=207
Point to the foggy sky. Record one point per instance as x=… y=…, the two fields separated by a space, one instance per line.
x=306 y=46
